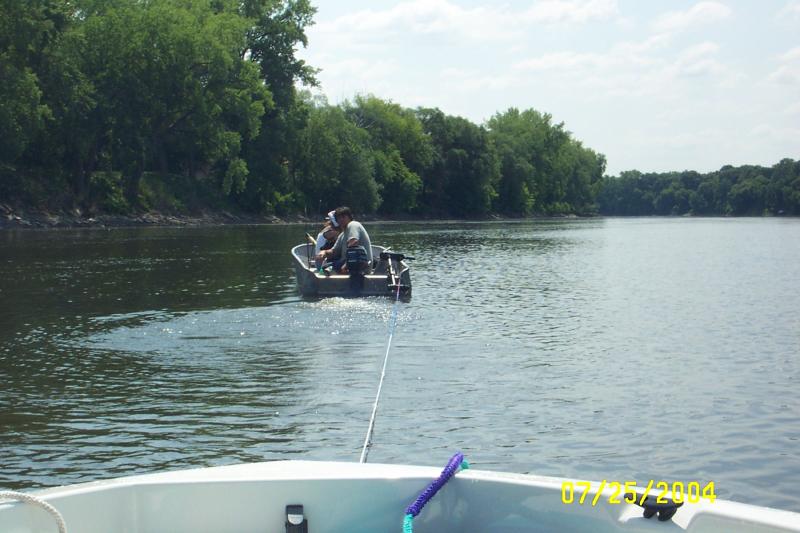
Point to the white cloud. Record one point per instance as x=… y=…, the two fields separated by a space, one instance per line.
x=345 y=47
x=623 y=54
x=565 y=61
x=770 y=131
x=701 y=13
x=791 y=55
x=466 y=24
x=571 y=11
x=360 y=68
x=462 y=80
x=698 y=60
x=785 y=75
x=633 y=67
x=701 y=101
x=417 y=17
x=791 y=10
x=343 y=78
x=694 y=138
x=700 y=50
x=651 y=44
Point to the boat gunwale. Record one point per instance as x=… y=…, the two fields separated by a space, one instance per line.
x=308 y=470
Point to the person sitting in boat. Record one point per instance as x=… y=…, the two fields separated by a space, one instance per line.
x=325 y=241
x=353 y=236
x=356 y=261
x=327 y=237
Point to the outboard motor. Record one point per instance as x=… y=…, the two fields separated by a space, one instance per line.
x=393 y=274
x=357 y=266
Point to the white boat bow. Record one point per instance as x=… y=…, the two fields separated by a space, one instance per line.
x=353 y=497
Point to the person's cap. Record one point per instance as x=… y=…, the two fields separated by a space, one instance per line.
x=332 y=217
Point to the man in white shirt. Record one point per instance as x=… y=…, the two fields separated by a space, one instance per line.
x=353 y=235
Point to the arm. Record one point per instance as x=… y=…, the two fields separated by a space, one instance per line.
x=332 y=252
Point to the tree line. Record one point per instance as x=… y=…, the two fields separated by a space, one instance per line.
x=120 y=106
x=747 y=190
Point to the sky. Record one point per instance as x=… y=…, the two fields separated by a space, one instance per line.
x=654 y=85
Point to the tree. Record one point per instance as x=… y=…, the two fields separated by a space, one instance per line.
x=746 y=190
x=169 y=80
x=28 y=32
x=749 y=196
x=277 y=29
x=335 y=164
x=465 y=169
x=397 y=134
x=542 y=168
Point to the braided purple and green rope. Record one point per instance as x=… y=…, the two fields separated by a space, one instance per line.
x=456 y=463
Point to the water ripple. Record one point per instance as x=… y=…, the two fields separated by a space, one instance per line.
x=605 y=349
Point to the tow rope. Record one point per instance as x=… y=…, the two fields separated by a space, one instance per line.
x=392 y=326
x=27 y=498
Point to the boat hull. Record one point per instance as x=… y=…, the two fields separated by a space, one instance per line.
x=312 y=283
x=352 y=497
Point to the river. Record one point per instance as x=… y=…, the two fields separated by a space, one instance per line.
x=618 y=349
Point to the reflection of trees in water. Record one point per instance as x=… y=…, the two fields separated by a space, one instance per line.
x=93 y=387
x=106 y=405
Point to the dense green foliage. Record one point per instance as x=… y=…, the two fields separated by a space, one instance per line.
x=544 y=170
x=123 y=105
x=745 y=190
x=106 y=92
x=120 y=106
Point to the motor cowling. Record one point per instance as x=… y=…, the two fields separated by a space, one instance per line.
x=357 y=266
x=357 y=260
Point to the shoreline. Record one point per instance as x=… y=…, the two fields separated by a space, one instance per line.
x=18 y=219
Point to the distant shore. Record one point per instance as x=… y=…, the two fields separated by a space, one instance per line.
x=11 y=218
x=14 y=218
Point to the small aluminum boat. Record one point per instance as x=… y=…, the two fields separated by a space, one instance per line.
x=389 y=270
x=352 y=497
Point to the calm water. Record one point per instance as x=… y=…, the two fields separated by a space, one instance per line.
x=629 y=349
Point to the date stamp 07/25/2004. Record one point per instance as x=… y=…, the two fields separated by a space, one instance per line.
x=578 y=492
